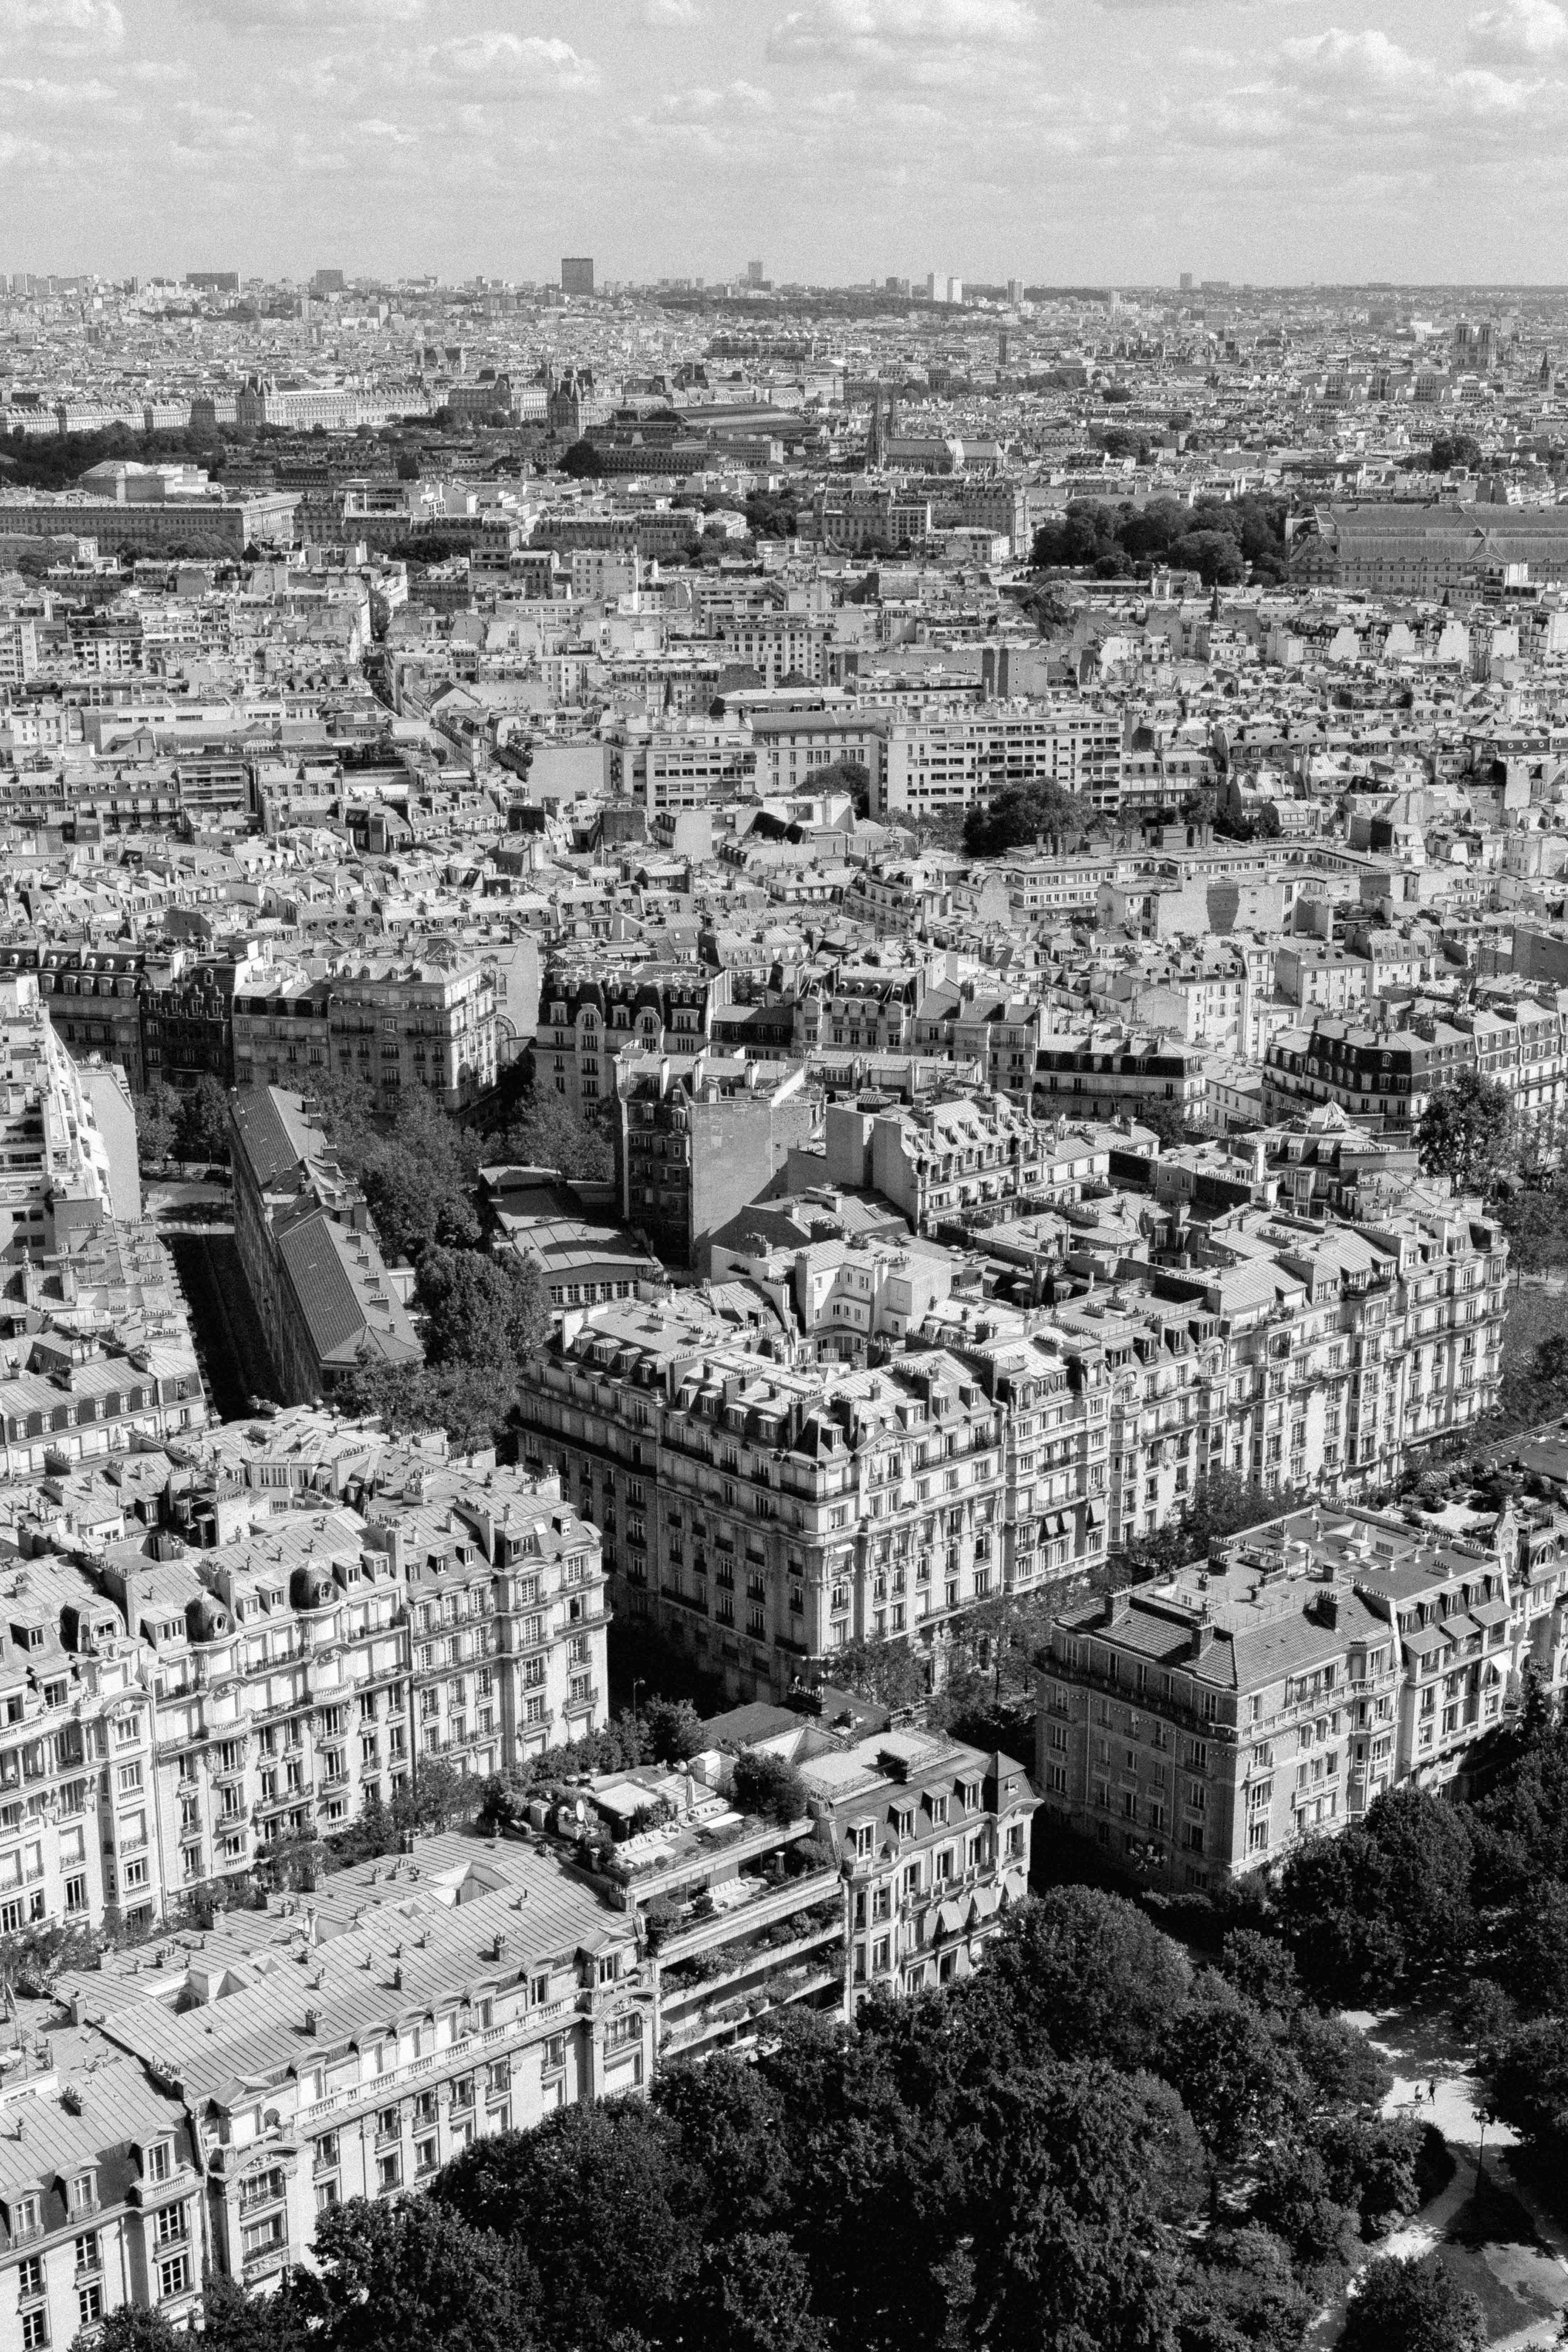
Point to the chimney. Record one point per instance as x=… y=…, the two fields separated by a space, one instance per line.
x=312 y=2021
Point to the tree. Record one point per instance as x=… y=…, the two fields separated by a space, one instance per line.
x=1024 y=814
x=1411 y=2306
x=612 y=2228
x=1451 y=449
x=416 y=2275
x=1385 y=1907
x=488 y=1312
x=1464 y=1131
x=673 y=1731
x=130 y=2328
x=203 y=1121
x=417 y=1179
x=439 y=1796
x=157 y=1117
x=752 y=2294
x=582 y=462
x=464 y=1400
x=769 y=1787
x=543 y=1131
x=1167 y=1121
x=1236 y=2082
x=1086 y=2172
x=1535 y=1219
x=1085 y=1975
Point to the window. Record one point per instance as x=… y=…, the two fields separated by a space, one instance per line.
x=158 y=2165
x=174 y=2276
x=86 y=2254
x=90 y=2304
x=34 y=2328
x=388 y=2171
x=30 y=2275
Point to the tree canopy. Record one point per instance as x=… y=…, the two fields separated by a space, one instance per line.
x=1021 y=815
x=1090 y=2145
x=1465 y=1130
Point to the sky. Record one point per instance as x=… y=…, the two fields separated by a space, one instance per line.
x=1064 y=141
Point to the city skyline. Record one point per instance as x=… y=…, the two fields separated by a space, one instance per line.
x=1114 y=141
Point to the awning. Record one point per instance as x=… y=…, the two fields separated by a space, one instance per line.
x=1014 y=1884
x=963 y=1966
x=950 y=1918
x=987 y=1901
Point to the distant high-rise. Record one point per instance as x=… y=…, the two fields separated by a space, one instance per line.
x=213 y=281
x=753 y=273
x=1004 y=347
x=896 y=286
x=1187 y=281
x=577 y=274
x=932 y=282
x=955 y=290
x=327 y=281
x=1014 y=291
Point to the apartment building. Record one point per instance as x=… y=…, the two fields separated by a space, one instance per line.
x=592 y=1009
x=199 y=1667
x=935 y=1161
x=791 y=744
x=350 y=2045
x=954 y=761
x=1201 y=1728
x=397 y=1024
x=681 y=763
x=1290 y=1350
x=933 y=1838
x=58 y=1180
x=700 y=1136
x=100 y=2187
x=1117 y=1074
x=325 y=1297
x=765 y=1516
x=282 y=1032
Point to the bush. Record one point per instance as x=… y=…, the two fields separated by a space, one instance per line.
x=768 y=1787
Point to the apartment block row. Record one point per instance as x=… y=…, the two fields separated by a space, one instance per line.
x=767 y=1514
x=200 y=1658
x=1203 y=1726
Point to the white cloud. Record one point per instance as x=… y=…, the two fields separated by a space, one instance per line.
x=1520 y=32
x=877 y=32
x=58 y=93
x=63 y=27
x=1353 y=62
x=510 y=62
x=670 y=13
x=304 y=15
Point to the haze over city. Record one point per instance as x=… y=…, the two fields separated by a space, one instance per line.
x=1068 y=140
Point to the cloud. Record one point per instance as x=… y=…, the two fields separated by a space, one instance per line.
x=877 y=32
x=63 y=27
x=303 y=15
x=510 y=62
x=1353 y=62
x=670 y=13
x=1521 y=32
x=58 y=93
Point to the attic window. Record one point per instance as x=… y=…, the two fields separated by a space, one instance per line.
x=159 y=2155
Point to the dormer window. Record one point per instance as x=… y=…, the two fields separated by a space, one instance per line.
x=84 y=2192
x=160 y=2160
x=24 y=2213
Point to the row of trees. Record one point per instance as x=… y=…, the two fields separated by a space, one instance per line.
x=486 y=1316
x=1090 y=2144
x=1225 y=540
x=174 y=1125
